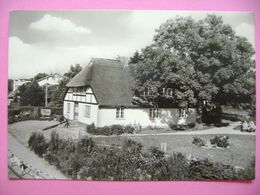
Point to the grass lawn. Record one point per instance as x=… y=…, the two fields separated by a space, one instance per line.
x=240 y=153
x=21 y=131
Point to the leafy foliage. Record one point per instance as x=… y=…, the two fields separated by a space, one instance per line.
x=207 y=170
x=109 y=130
x=199 y=60
x=220 y=141
x=73 y=71
x=10 y=85
x=38 y=143
x=39 y=76
x=85 y=160
x=31 y=94
x=198 y=141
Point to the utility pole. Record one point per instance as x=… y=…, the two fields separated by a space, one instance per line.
x=46 y=92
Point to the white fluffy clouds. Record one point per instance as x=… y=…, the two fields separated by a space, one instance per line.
x=56 y=24
x=26 y=60
x=56 y=43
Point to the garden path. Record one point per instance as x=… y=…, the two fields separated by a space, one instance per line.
x=29 y=158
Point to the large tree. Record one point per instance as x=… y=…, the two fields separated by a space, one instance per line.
x=31 y=94
x=202 y=61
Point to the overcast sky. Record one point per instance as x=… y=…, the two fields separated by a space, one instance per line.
x=51 y=41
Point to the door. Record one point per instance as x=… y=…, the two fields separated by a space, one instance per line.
x=76 y=111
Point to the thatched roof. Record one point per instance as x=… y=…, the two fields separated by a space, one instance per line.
x=109 y=81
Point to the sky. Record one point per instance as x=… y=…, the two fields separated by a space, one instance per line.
x=52 y=41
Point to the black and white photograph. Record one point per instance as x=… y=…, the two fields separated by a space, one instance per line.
x=131 y=95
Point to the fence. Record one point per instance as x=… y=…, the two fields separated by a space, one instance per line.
x=22 y=169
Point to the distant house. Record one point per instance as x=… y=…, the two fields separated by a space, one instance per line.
x=19 y=82
x=101 y=94
x=52 y=79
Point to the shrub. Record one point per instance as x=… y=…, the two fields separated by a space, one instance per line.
x=176 y=127
x=132 y=147
x=207 y=170
x=109 y=130
x=38 y=143
x=220 y=141
x=198 y=141
x=155 y=152
x=178 y=167
x=85 y=160
x=54 y=141
x=51 y=158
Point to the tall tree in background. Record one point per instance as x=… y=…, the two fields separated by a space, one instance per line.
x=10 y=85
x=31 y=94
x=202 y=61
x=137 y=57
x=39 y=76
x=73 y=71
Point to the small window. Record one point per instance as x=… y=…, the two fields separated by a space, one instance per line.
x=154 y=113
x=167 y=92
x=87 y=111
x=68 y=108
x=120 y=112
x=182 y=112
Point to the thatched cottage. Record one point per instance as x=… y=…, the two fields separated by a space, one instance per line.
x=101 y=94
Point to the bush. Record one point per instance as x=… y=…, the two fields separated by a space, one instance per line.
x=198 y=141
x=109 y=130
x=85 y=160
x=220 y=141
x=132 y=147
x=38 y=143
x=176 y=127
x=207 y=170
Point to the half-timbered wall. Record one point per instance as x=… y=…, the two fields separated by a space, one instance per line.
x=83 y=95
x=80 y=104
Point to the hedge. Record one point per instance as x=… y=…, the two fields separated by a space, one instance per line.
x=109 y=130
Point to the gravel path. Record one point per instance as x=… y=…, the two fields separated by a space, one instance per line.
x=31 y=159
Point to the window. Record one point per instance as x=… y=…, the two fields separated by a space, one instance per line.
x=87 y=111
x=167 y=92
x=154 y=113
x=148 y=92
x=182 y=112
x=68 y=108
x=120 y=112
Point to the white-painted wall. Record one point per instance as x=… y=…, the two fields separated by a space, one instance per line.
x=50 y=80
x=84 y=97
x=93 y=114
x=70 y=114
x=107 y=116
x=139 y=116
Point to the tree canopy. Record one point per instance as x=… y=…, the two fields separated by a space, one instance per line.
x=73 y=71
x=200 y=60
x=31 y=94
